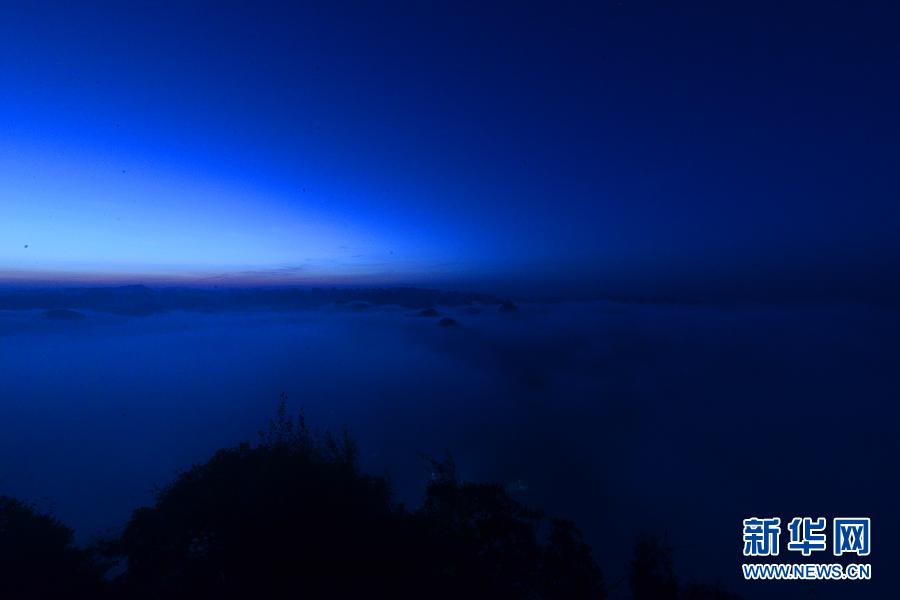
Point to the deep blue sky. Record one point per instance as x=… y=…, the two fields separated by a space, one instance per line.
x=621 y=147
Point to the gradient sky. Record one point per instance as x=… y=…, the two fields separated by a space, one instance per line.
x=621 y=147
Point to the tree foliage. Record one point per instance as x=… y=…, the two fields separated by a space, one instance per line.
x=38 y=559
x=293 y=516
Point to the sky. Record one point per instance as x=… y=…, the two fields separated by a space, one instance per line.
x=631 y=148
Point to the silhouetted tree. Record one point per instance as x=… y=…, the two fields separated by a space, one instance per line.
x=650 y=573
x=652 y=576
x=294 y=517
x=38 y=560
x=569 y=570
x=489 y=542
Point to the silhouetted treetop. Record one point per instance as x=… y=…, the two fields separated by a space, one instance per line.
x=294 y=517
x=38 y=560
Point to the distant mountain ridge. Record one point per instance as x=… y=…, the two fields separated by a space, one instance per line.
x=137 y=300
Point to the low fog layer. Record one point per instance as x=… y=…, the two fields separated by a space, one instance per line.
x=626 y=418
